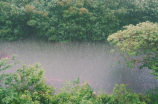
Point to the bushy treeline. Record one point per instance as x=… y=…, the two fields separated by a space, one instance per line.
x=27 y=86
x=68 y=20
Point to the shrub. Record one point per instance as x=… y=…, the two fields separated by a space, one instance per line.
x=25 y=86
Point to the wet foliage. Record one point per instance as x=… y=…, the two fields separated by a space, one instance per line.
x=68 y=20
x=139 y=45
x=27 y=86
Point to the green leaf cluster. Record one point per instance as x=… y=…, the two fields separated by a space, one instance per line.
x=139 y=44
x=25 y=86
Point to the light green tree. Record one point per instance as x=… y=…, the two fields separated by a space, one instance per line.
x=139 y=45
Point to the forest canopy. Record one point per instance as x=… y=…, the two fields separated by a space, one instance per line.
x=69 y=20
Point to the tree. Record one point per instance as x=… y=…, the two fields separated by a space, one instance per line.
x=139 y=45
x=25 y=86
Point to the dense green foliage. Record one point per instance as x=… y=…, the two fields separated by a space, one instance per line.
x=140 y=43
x=67 y=20
x=27 y=86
